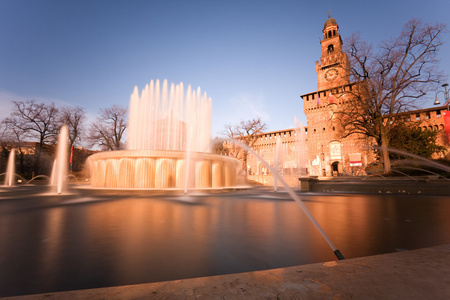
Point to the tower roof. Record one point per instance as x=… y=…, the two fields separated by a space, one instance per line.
x=329 y=22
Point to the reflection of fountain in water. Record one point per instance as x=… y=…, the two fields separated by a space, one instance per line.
x=168 y=136
x=60 y=165
x=10 y=169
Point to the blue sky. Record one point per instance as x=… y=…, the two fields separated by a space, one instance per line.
x=253 y=58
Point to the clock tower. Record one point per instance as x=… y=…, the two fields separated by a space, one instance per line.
x=333 y=68
x=328 y=153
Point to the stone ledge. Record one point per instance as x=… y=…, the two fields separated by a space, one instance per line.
x=415 y=274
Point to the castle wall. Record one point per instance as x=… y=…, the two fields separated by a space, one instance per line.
x=325 y=153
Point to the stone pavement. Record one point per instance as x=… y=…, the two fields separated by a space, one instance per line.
x=415 y=274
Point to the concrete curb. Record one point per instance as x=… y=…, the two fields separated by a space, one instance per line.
x=415 y=274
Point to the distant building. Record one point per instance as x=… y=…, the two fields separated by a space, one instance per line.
x=25 y=157
x=326 y=153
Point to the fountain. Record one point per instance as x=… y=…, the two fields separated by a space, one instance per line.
x=160 y=237
x=300 y=148
x=59 y=170
x=277 y=163
x=10 y=169
x=168 y=141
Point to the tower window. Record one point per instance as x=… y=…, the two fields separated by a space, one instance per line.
x=330 y=48
x=329 y=34
x=334 y=32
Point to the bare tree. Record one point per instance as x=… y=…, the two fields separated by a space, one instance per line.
x=219 y=147
x=34 y=121
x=249 y=131
x=108 y=130
x=389 y=81
x=13 y=137
x=74 y=118
x=6 y=144
x=246 y=132
x=232 y=131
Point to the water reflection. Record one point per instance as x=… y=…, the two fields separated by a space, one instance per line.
x=86 y=242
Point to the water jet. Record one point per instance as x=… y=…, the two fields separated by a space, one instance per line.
x=60 y=165
x=168 y=145
x=10 y=169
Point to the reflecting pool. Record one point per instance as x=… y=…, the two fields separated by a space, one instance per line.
x=92 y=239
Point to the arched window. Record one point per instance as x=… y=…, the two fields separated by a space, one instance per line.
x=330 y=48
x=329 y=34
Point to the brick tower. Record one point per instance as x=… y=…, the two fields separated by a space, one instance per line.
x=328 y=154
x=333 y=68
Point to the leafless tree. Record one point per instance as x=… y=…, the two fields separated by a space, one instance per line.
x=74 y=118
x=389 y=80
x=13 y=137
x=35 y=121
x=232 y=131
x=108 y=130
x=219 y=147
x=38 y=120
x=246 y=132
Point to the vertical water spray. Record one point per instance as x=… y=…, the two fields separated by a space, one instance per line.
x=53 y=174
x=168 y=145
x=163 y=117
x=300 y=148
x=11 y=168
x=277 y=163
x=60 y=165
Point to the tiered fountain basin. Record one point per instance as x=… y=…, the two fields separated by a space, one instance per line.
x=162 y=169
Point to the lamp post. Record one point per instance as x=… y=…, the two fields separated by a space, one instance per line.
x=446 y=96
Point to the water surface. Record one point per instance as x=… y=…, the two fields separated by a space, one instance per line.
x=88 y=240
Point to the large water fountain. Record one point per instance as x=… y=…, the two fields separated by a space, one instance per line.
x=168 y=144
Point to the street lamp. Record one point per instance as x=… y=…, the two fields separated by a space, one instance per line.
x=446 y=96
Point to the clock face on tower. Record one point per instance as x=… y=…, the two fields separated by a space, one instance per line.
x=331 y=74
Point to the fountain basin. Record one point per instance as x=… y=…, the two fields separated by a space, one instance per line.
x=161 y=169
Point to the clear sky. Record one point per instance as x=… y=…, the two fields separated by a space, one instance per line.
x=253 y=58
